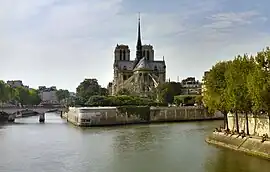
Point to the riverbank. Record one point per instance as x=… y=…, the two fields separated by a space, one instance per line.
x=109 y=116
x=248 y=145
x=3 y=117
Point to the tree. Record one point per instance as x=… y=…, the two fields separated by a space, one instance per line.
x=34 y=98
x=5 y=92
x=215 y=90
x=176 y=88
x=98 y=101
x=248 y=67
x=237 y=94
x=23 y=95
x=259 y=83
x=88 y=88
x=62 y=94
x=239 y=86
x=198 y=100
x=104 y=91
x=240 y=96
x=165 y=93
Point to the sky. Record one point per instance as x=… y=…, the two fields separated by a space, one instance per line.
x=62 y=42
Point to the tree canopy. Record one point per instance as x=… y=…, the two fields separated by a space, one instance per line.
x=89 y=88
x=62 y=94
x=241 y=85
x=166 y=91
x=22 y=95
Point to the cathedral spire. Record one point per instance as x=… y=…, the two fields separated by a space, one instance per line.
x=139 y=44
x=139 y=41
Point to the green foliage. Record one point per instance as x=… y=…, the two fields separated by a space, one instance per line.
x=62 y=94
x=122 y=100
x=259 y=82
x=104 y=91
x=90 y=93
x=88 y=88
x=27 y=96
x=98 y=101
x=20 y=95
x=167 y=91
x=198 y=100
x=123 y=92
x=185 y=99
x=240 y=85
x=5 y=93
x=215 y=93
x=237 y=87
x=34 y=98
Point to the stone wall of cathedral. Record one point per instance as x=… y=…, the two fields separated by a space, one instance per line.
x=143 y=84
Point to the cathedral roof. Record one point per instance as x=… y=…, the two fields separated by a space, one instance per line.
x=142 y=65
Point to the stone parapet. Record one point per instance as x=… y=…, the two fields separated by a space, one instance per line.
x=251 y=146
x=101 y=116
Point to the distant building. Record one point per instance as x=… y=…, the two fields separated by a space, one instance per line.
x=16 y=83
x=203 y=86
x=109 y=88
x=48 y=95
x=191 y=86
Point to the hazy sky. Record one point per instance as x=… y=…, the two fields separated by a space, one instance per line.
x=61 y=42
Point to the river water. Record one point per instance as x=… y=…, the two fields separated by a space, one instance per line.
x=28 y=146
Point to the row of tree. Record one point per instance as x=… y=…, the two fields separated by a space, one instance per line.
x=188 y=100
x=26 y=96
x=121 y=100
x=90 y=93
x=241 y=85
x=18 y=95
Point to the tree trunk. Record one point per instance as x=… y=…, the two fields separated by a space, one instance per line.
x=246 y=115
x=226 y=123
x=237 y=121
x=269 y=123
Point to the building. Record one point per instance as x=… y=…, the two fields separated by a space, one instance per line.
x=109 y=88
x=191 y=86
x=72 y=94
x=203 y=86
x=139 y=76
x=16 y=83
x=48 y=95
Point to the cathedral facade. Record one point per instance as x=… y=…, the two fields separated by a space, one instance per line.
x=140 y=76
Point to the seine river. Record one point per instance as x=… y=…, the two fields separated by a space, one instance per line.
x=56 y=146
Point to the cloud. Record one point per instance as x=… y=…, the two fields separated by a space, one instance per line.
x=222 y=21
x=60 y=42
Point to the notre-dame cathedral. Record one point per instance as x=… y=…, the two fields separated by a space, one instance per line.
x=140 y=76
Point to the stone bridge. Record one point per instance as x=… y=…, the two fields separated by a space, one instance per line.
x=38 y=109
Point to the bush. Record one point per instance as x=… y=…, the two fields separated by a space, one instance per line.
x=186 y=99
x=120 y=100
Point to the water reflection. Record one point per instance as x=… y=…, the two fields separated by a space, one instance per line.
x=226 y=160
x=134 y=139
x=29 y=146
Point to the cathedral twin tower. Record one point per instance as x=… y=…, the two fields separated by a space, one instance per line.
x=140 y=76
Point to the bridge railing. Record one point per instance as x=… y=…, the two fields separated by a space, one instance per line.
x=33 y=106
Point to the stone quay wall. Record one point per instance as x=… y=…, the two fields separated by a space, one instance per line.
x=249 y=145
x=257 y=124
x=135 y=115
x=167 y=114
